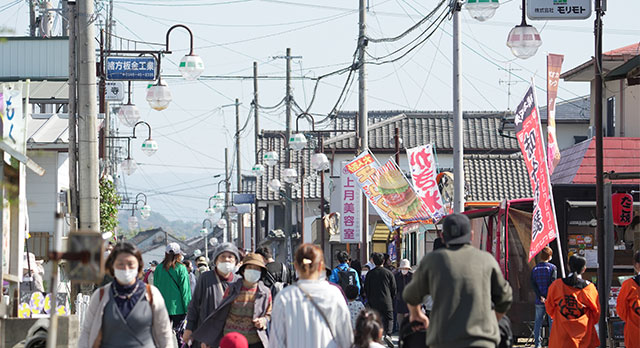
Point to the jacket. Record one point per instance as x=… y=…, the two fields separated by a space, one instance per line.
x=401 y=282
x=380 y=287
x=206 y=298
x=212 y=328
x=92 y=325
x=335 y=278
x=174 y=286
x=465 y=283
x=573 y=305
x=628 y=308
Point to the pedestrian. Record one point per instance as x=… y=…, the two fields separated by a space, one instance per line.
x=628 y=306
x=172 y=279
x=403 y=277
x=387 y=262
x=210 y=287
x=469 y=293
x=572 y=303
x=353 y=304
x=368 y=331
x=126 y=312
x=542 y=275
x=363 y=273
x=202 y=265
x=343 y=274
x=246 y=308
x=148 y=275
x=380 y=287
x=192 y=276
x=277 y=276
x=311 y=313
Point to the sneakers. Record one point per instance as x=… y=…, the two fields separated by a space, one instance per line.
x=387 y=340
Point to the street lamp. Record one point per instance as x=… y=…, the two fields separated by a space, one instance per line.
x=258 y=170
x=145 y=210
x=129 y=165
x=274 y=185
x=191 y=65
x=482 y=9
x=222 y=224
x=320 y=162
x=133 y=220
x=524 y=39
x=271 y=158
x=290 y=175
x=129 y=113
x=149 y=146
x=205 y=234
x=297 y=141
x=159 y=95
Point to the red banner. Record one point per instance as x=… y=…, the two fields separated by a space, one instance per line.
x=622 y=206
x=531 y=141
x=554 y=66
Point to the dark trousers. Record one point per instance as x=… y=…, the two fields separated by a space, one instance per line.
x=176 y=321
x=256 y=345
x=387 y=321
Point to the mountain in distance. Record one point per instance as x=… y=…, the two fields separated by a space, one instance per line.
x=179 y=228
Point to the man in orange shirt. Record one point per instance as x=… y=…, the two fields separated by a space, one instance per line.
x=573 y=305
x=628 y=306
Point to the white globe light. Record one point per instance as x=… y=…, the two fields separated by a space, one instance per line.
x=218 y=207
x=204 y=231
x=129 y=114
x=274 y=185
x=297 y=141
x=159 y=96
x=320 y=162
x=197 y=252
x=271 y=158
x=524 y=41
x=129 y=166
x=213 y=241
x=258 y=170
x=218 y=197
x=482 y=9
x=191 y=66
x=149 y=147
x=145 y=211
x=132 y=222
x=222 y=224
x=290 y=175
x=210 y=212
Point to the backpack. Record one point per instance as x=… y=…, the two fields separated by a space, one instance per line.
x=146 y=276
x=273 y=284
x=346 y=277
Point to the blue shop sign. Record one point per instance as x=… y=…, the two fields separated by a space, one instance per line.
x=244 y=198
x=131 y=68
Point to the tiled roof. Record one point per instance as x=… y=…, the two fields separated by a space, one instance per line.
x=273 y=141
x=422 y=127
x=493 y=178
x=574 y=110
x=633 y=49
x=620 y=155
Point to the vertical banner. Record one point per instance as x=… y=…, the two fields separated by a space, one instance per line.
x=363 y=169
x=554 y=66
x=423 y=174
x=350 y=215
x=529 y=134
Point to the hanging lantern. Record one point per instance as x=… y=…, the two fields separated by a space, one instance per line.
x=320 y=162
x=129 y=114
x=290 y=175
x=222 y=224
x=145 y=211
x=297 y=141
x=218 y=207
x=132 y=222
x=149 y=147
x=159 y=96
x=129 y=166
x=218 y=197
x=482 y=9
x=210 y=212
x=258 y=170
x=271 y=158
x=274 y=185
x=204 y=231
x=622 y=206
x=191 y=66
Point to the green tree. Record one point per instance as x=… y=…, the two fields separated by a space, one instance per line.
x=109 y=202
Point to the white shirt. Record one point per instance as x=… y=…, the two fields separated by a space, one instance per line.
x=295 y=321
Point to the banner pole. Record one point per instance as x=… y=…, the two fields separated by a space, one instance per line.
x=553 y=204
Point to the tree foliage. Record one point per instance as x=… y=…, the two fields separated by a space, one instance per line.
x=109 y=202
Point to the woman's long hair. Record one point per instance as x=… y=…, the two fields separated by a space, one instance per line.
x=368 y=326
x=170 y=260
x=308 y=258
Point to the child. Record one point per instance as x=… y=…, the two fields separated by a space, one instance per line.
x=369 y=331
x=354 y=305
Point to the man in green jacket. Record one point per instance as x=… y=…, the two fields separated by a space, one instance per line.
x=469 y=293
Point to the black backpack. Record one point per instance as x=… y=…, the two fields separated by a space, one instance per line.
x=346 y=277
x=273 y=284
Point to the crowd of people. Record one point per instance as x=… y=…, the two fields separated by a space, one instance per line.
x=455 y=297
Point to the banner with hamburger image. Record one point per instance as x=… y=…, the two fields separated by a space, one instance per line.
x=399 y=194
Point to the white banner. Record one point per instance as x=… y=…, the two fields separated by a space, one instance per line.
x=351 y=213
x=14 y=122
x=423 y=173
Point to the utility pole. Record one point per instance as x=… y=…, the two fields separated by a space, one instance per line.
x=288 y=208
x=32 y=18
x=238 y=163
x=89 y=196
x=603 y=287
x=363 y=117
x=71 y=111
x=256 y=133
x=458 y=123
x=227 y=186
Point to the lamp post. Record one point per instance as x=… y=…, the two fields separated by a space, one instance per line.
x=145 y=210
x=149 y=146
x=205 y=232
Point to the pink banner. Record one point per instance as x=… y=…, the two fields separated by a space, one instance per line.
x=423 y=173
x=554 y=67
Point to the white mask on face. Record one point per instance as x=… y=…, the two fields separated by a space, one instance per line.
x=364 y=273
x=225 y=267
x=125 y=276
x=404 y=271
x=252 y=275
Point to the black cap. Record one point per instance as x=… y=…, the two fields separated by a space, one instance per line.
x=456 y=229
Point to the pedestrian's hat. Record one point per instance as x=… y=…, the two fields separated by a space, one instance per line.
x=405 y=264
x=456 y=229
x=173 y=247
x=201 y=260
x=234 y=340
x=229 y=247
x=254 y=259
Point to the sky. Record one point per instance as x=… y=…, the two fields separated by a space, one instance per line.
x=230 y=35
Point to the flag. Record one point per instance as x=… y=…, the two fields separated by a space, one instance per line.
x=554 y=65
x=424 y=172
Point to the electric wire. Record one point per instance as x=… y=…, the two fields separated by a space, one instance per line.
x=410 y=29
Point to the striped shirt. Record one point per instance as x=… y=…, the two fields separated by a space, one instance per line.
x=240 y=318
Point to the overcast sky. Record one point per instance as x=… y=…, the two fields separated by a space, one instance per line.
x=231 y=34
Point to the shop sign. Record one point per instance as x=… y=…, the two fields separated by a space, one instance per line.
x=350 y=216
x=423 y=173
x=13 y=119
x=131 y=68
x=622 y=206
x=558 y=9
x=529 y=133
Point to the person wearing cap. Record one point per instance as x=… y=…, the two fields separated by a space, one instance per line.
x=211 y=287
x=245 y=309
x=403 y=277
x=470 y=295
x=202 y=265
x=234 y=340
x=172 y=279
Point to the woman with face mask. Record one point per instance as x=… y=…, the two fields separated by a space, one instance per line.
x=211 y=287
x=172 y=279
x=126 y=312
x=246 y=308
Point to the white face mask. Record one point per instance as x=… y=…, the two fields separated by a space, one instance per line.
x=252 y=275
x=404 y=271
x=364 y=273
x=125 y=276
x=225 y=267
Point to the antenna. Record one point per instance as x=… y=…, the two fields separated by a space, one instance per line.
x=509 y=83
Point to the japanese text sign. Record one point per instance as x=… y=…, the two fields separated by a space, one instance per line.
x=622 y=206
x=554 y=66
x=559 y=9
x=14 y=123
x=350 y=216
x=423 y=174
x=529 y=134
x=131 y=68
x=362 y=169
